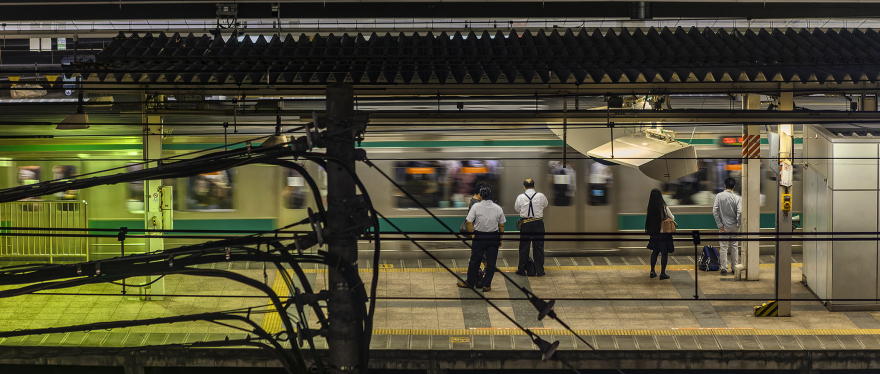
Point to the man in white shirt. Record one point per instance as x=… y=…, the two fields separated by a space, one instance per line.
x=728 y=217
x=530 y=205
x=486 y=220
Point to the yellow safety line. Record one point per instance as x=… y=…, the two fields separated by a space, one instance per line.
x=552 y=268
x=271 y=320
x=685 y=331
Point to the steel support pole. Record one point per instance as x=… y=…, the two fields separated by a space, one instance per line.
x=784 y=222
x=751 y=192
x=152 y=140
x=345 y=330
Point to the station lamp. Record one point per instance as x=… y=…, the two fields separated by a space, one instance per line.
x=277 y=138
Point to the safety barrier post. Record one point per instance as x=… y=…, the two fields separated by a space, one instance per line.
x=696 y=236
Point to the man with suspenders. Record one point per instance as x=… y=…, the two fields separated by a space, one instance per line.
x=530 y=206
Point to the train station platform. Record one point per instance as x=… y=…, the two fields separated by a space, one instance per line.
x=423 y=315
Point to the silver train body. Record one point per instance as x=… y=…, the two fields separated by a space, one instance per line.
x=583 y=197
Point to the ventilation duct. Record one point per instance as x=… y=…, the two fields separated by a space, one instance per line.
x=654 y=151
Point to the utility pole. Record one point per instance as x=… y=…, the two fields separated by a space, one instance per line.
x=344 y=336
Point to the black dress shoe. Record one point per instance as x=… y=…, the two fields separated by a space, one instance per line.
x=663 y=276
x=520 y=272
x=479 y=284
x=653 y=274
x=542 y=274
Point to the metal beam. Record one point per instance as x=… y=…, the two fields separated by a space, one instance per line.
x=333 y=9
x=600 y=117
x=483 y=89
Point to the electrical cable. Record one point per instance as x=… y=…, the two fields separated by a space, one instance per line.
x=528 y=293
x=527 y=331
x=289 y=362
x=368 y=330
x=197 y=272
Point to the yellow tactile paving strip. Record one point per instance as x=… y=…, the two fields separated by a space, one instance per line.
x=272 y=321
x=689 y=331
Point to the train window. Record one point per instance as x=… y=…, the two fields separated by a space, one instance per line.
x=600 y=178
x=209 y=191
x=701 y=187
x=698 y=188
x=445 y=184
x=65 y=172
x=563 y=181
x=135 y=200
x=296 y=192
x=28 y=175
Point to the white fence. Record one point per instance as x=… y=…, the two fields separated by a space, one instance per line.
x=56 y=216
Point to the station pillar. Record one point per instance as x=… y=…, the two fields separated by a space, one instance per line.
x=345 y=333
x=784 y=216
x=751 y=196
x=154 y=201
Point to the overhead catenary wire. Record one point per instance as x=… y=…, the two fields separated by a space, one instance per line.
x=464 y=241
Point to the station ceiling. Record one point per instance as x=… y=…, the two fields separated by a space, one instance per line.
x=574 y=56
x=29 y=10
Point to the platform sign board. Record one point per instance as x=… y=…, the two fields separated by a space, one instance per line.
x=460 y=339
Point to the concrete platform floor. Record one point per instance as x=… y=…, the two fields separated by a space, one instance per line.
x=420 y=307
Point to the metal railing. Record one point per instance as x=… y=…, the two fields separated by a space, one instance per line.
x=55 y=215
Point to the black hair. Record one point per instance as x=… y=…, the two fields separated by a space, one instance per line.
x=529 y=183
x=485 y=193
x=656 y=212
x=729 y=183
x=478 y=187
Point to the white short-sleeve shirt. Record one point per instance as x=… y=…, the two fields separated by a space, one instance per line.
x=539 y=202
x=486 y=216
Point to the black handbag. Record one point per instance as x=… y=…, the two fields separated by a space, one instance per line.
x=464 y=229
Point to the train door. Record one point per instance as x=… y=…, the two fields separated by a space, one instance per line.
x=297 y=196
x=563 y=213
x=598 y=198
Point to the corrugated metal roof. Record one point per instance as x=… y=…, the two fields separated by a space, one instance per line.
x=653 y=56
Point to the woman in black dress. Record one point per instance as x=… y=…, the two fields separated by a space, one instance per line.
x=659 y=242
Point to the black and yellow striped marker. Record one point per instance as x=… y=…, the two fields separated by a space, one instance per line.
x=768 y=309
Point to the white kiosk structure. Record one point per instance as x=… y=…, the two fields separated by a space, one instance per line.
x=841 y=194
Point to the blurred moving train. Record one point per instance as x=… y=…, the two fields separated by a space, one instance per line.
x=439 y=170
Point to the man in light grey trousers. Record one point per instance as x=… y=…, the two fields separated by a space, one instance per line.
x=728 y=218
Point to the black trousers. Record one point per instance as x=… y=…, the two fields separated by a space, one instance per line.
x=532 y=235
x=484 y=244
